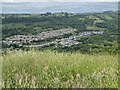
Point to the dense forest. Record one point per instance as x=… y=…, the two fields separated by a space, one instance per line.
x=32 y=24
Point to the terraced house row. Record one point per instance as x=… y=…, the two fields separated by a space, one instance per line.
x=19 y=39
x=69 y=41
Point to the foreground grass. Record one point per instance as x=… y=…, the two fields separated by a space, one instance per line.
x=34 y=69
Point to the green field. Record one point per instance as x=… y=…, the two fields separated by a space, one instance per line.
x=54 y=69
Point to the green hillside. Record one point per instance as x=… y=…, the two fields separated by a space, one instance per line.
x=60 y=50
x=30 y=24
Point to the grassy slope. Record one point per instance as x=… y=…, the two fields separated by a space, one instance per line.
x=53 y=69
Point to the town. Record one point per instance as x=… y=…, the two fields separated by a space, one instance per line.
x=27 y=40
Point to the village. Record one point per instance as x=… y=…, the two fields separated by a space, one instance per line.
x=26 y=40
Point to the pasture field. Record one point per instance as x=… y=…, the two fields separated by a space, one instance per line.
x=51 y=69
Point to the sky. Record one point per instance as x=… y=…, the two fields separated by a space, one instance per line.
x=60 y=0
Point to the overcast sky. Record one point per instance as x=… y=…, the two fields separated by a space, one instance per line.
x=60 y=0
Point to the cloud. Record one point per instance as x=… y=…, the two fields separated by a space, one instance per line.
x=60 y=0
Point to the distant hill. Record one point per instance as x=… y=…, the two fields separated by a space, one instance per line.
x=33 y=24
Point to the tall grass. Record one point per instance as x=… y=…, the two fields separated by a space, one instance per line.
x=33 y=69
x=0 y=71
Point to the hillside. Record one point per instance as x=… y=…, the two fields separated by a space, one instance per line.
x=60 y=50
x=82 y=38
